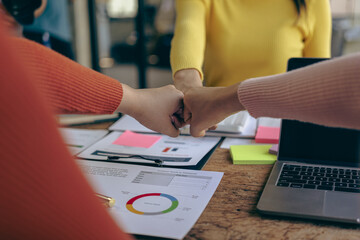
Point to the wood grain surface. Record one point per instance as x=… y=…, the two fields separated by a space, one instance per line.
x=231 y=213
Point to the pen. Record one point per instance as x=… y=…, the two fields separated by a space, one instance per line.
x=108 y=201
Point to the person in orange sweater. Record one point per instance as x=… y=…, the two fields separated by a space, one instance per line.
x=325 y=93
x=44 y=194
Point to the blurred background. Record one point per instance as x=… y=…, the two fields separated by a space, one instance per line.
x=130 y=39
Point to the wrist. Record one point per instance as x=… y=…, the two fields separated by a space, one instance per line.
x=187 y=78
x=229 y=100
x=130 y=101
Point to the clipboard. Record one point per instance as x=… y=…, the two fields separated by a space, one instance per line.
x=198 y=166
x=182 y=152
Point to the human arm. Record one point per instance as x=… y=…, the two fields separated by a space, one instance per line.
x=72 y=88
x=210 y=105
x=159 y=109
x=326 y=93
x=318 y=18
x=188 y=44
x=45 y=195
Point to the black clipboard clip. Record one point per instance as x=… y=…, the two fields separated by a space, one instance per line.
x=156 y=161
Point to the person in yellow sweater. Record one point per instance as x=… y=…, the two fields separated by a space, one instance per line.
x=227 y=41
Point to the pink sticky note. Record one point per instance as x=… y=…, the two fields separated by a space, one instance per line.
x=274 y=149
x=132 y=139
x=267 y=135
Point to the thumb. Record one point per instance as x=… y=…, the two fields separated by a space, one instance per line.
x=187 y=114
x=195 y=131
x=171 y=128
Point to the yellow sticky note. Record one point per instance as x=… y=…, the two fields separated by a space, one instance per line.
x=252 y=154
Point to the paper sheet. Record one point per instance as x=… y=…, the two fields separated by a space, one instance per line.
x=269 y=122
x=79 y=139
x=160 y=202
x=236 y=141
x=180 y=151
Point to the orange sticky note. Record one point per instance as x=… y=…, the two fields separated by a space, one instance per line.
x=267 y=135
x=132 y=139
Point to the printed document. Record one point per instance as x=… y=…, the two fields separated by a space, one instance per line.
x=79 y=139
x=160 y=202
x=180 y=151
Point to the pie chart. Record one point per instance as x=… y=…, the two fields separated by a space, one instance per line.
x=152 y=204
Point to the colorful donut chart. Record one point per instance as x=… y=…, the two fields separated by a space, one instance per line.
x=174 y=203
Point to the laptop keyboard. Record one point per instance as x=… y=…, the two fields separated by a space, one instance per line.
x=322 y=178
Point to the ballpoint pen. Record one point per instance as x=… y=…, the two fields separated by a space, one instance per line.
x=108 y=201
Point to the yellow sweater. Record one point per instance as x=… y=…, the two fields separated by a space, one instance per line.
x=229 y=41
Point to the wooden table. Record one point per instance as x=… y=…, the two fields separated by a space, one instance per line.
x=231 y=213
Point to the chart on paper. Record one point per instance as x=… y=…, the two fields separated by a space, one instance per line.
x=163 y=202
x=173 y=180
x=152 y=204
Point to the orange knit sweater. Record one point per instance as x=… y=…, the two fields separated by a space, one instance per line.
x=43 y=193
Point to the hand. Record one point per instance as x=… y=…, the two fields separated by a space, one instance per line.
x=159 y=109
x=184 y=80
x=209 y=106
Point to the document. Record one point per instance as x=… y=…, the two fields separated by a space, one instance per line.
x=269 y=122
x=236 y=141
x=79 y=139
x=159 y=202
x=128 y=123
x=167 y=151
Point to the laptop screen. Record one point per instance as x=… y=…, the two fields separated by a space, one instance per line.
x=312 y=143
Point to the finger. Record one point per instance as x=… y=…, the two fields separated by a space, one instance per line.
x=177 y=122
x=172 y=130
x=196 y=132
x=173 y=133
x=179 y=115
x=180 y=112
x=213 y=127
x=187 y=115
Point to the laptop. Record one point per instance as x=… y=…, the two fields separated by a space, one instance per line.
x=317 y=172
